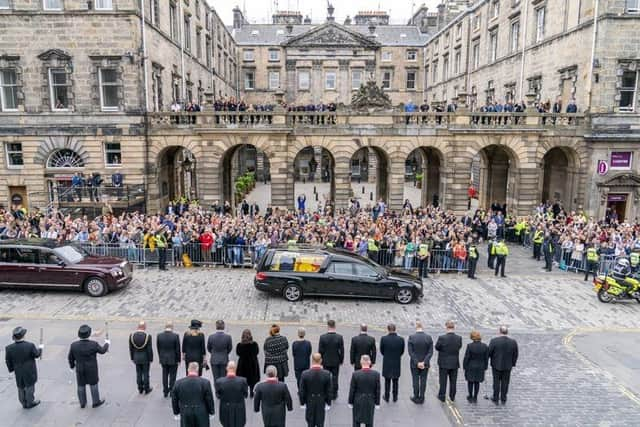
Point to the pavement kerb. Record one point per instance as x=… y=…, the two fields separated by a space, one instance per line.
x=567 y=341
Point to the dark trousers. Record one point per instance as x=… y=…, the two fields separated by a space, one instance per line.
x=592 y=267
x=471 y=267
x=419 y=380
x=26 y=396
x=82 y=394
x=218 y=371
x=423 y=267
x=335 y=375
x=501 y=384
x=548 y=261
x=501 y=261
x=537 y=248
x=168 y=377
x=490 y=261
x=452 y=375
x=142 y=376
x=474 y=388
x=391 y=385
x=162 y=258
x=298 y=373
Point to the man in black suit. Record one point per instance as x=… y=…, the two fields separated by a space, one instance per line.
x=448 y=346
x=141 y=353
x=232 y=391
x=364 y=393
x=331 y=348
x=301 y=350
x=219 y=345
x=392 y=349
x=275 y=399
x=420 y=348
x=83 y=358
x=361 y=345
x=503 y=352
x=168 y=344
x=315 y=392
x=21 y=358
x=192 y=399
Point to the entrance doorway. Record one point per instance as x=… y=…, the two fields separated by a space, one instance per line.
x=616 y=207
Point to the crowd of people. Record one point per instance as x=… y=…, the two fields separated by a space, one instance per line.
x=317 y=373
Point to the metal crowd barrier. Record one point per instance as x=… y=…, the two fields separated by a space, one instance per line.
x=439 y=260
x=569 y=263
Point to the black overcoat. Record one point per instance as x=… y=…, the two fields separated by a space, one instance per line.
x=141 y=348
x=168 y=344
x=231 y=392
x=315 y=392
x=360 y=345
x=364 y=395
x=275 y=400
x=248 y=366
x=392 y=349
x=192 y=399
x=82 y=357
x=331 y=347
x=503 y=352
x=193 y=348
x=476 y=361
x=21 y=358
x=448 y=346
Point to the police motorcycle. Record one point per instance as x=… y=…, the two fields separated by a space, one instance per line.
x=619 y=284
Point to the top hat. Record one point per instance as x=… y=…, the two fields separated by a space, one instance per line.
x=19 y=333
x=195 y=324
x=84 y=331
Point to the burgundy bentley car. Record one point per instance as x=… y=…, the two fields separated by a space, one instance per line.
x=47 y=264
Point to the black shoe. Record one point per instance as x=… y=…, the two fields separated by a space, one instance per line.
x=415 y=400
x=98 y=403
x=503 y=276
x=504 y=401
x=453 y=399
x=140 y=390
x=83 y=406
x=470 y=399
x=165 y=394
x=385 y=398
x=441 y=399
x=494 y=400
x=475 y=399
x=395 y=398
x=149 y=390
x=34 y=404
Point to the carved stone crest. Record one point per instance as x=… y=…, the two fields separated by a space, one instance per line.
x=331 y=35
x=370 y=96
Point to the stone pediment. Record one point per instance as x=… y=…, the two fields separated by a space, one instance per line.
x=626 y=179
x=54 y=53
x=331 y=35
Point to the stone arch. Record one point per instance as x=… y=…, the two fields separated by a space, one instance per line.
x=54 y=144
x=494 y=173
x=423 y=176
x=561 y=165
x=313 y=168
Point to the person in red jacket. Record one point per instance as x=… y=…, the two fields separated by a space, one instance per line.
x=206 y=243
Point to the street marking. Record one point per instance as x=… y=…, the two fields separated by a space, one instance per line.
x=567 y=341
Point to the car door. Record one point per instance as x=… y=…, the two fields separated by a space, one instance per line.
x=52 y=271
x=338 y=279
x=19 y=266
x=371 y=284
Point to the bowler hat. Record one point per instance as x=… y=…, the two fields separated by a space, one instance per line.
x=195 y=324
x=84 y=331
x=19 y=332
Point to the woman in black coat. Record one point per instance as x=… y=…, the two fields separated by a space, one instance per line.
x=476 y=362
x=193 y=348
x=276 y=352
x=248 y=367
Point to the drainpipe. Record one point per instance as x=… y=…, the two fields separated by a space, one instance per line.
x=144 y=58
x=524 y=48
x=593 y=54
x=184 y=80
x=145 y=179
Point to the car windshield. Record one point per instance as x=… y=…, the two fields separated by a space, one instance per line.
x=70 y=253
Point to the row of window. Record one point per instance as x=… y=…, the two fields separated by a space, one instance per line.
x=330 y=79
x=58 y=4
x=274 y=55
x=60 y=85
x=63 y=158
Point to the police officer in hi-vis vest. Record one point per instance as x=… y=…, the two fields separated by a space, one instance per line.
x=593 y=256
x=473 y=259
x=501 y=251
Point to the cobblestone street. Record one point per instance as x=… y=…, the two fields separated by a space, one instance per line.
x=555 y=382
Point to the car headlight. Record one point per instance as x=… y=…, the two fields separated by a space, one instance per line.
x=116 y=272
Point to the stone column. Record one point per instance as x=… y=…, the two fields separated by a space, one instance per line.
x=372 y=165
x=317 y=155
x=457 y=176
x=344 y=82
x=292 y=84
x=396 y=183
x=282 y=187
x=208 y=178
x=342 y=184
x=317 y=81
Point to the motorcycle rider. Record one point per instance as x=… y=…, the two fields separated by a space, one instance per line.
x=620 y=271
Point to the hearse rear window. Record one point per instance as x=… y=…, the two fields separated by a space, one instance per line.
x=296 y=261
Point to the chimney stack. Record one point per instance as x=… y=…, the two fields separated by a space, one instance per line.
x=238 y=18
x=441 y=15
x=307 y=20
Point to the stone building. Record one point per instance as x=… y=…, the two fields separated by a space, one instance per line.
x=77 y=77
x=74 y=100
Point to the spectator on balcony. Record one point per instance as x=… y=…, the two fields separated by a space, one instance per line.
x=409 y=107
x=452 y=107
x=77 y=182
x=302 y=200
x=117 y=180
x=572 y=108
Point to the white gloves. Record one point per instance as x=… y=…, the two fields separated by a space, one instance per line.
x=327 y=407
x=176 y=417
x=303 y=406
x=41 y=346
x=350 y=406
x=107 y=342
x=377 y=407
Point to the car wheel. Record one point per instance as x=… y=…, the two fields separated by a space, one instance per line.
x=95 y=287
x=404 y=295
x=292 y=293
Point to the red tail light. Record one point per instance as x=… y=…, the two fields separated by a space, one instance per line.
x=261 y=276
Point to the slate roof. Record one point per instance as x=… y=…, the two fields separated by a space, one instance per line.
x=271 y=35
